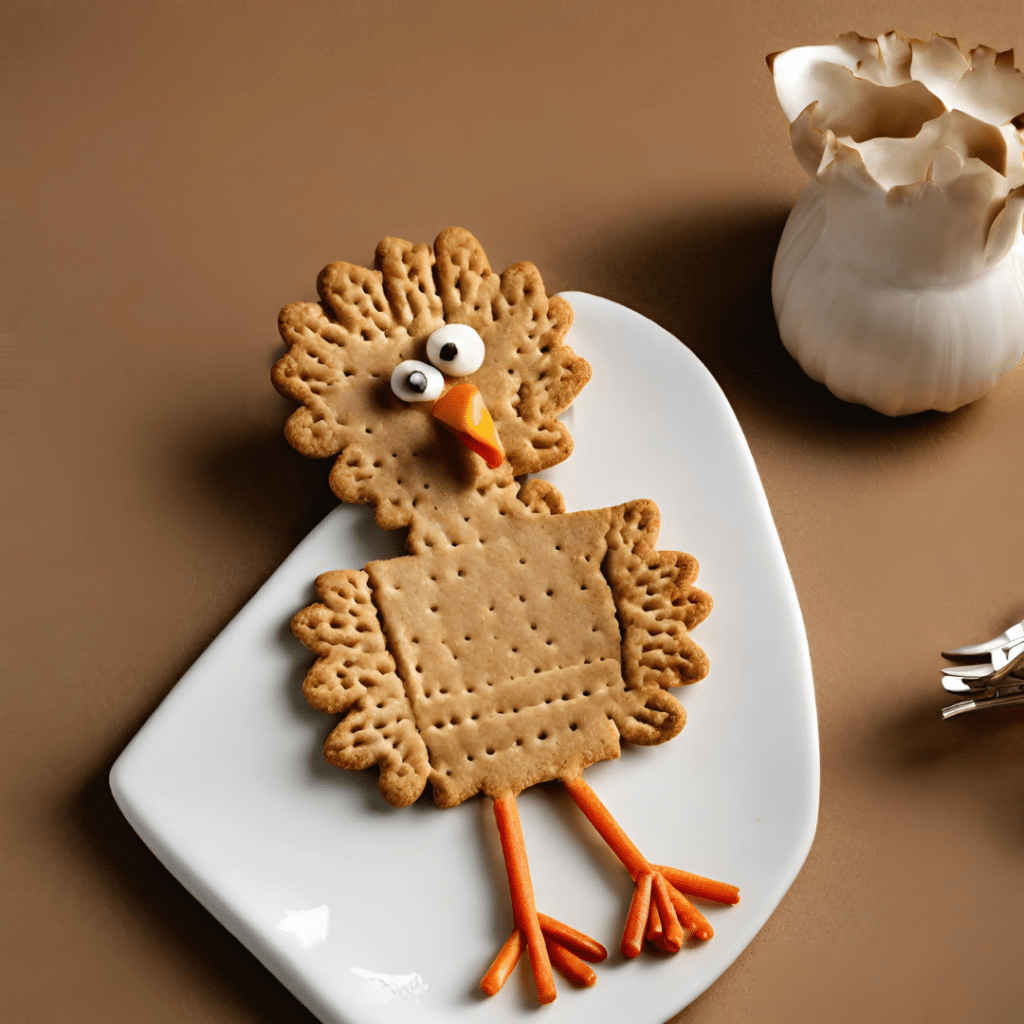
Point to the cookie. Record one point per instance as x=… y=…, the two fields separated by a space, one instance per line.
x=343 y=351
x=516 y=643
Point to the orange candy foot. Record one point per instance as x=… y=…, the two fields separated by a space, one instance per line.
x=548 y=942
x=567 y=949
x=659 y=911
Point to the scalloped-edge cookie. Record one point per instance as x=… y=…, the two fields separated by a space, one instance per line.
x=516 y=642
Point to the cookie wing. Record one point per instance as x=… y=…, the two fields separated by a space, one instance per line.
x=355 y=676
x=657 y=605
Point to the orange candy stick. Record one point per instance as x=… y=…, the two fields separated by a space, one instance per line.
x=608 y=828
x=575 y=941
x=570 y=965
x=674 y=910
x=662 y=943
x=636 y=919
x=504 y=963
x=689 y=916
x=698 y=885
x=513 y=847
x=666 y=911
x=655 y=933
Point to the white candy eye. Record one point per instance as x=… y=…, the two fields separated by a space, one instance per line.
x=413 y=381
x=456 y=349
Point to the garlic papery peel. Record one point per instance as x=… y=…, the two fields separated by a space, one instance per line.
x=899 y=280
x=924 y=235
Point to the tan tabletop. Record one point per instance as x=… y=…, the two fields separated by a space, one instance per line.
x=179 y=171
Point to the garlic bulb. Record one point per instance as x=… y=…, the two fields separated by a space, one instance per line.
x=899 y=278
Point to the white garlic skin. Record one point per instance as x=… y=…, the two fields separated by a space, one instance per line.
x=853 y=327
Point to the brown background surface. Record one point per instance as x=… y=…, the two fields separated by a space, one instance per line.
x=180 y=171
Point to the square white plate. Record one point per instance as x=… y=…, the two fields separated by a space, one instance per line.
x=371 y=914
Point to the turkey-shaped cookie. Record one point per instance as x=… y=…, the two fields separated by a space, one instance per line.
x=516 y=643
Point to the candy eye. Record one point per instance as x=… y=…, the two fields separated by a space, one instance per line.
x=456 y=349
x=413 y=381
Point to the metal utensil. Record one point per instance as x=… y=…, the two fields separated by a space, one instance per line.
x=1012 y=636
x=983 y=703
x=997 y=681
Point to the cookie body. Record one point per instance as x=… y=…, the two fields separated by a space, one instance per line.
x=523 y=656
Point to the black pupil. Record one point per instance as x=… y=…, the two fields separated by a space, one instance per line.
x=449 y=351
x=417 y=381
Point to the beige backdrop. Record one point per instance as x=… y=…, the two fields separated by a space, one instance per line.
x=180 y=171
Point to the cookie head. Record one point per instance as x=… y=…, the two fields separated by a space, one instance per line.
x=429 y=376
x=454 y=350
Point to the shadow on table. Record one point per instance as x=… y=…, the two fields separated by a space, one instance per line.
x=245 y=472
x=979 y=756
x=704 y=274
x=97 y=834
x=243 y=477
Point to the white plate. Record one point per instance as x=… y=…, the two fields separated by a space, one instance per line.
x=371 y=914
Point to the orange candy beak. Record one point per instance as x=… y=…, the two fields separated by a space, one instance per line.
x=461 y=409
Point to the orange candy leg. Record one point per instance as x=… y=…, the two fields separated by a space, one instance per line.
x=672 y=929
x=571 y=966
x=697 y=885
x=513 y=847
x=638 y=917
x=504 y=963
x=659 y=911
x=547 y=941
x=574 y=941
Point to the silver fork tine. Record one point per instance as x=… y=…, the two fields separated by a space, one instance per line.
x=1011 y=636
x=980 y=705
x=1010 y=667
x=1002 y=655
x=968 y=671
x=952 y=684
x=977 y=678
